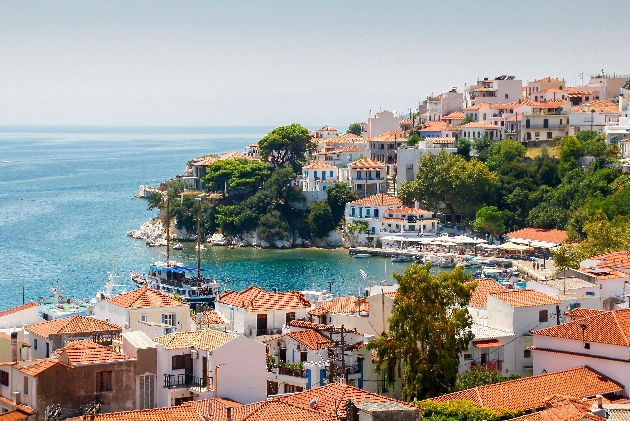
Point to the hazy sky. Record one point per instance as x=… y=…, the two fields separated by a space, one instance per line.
x=275 y=62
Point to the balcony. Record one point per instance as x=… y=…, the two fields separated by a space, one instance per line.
x=176 y=381
x=488 y=365
x=265 y=332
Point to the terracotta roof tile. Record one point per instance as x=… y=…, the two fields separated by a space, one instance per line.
x=309 y=338
x=480 y=106
x=540 y=234
x=580 y=312
x=441 y=140
x=366 y=162
x=331 y=399
x=407 y=211
x=479 y=297
x=548 y=79
x=391 y=294
x=87 y=352
x=530 y=392
x=145 y=298
x=36 y=367
x=349 y=304
x=607 y=327
x=319 y=164
x=200 y=339
x=455 y=115
x=215 y=409
x=26 y=409
x=480 y=125
x=307 y=325
x=390 y=136
x=170 y=413
x=73 y=324
x=211 y=317
x=562 y=409
x=257 y=299
x=619 y=260
x=380 y=199
x=15 y=415
x=18 y=308
x=525 y=298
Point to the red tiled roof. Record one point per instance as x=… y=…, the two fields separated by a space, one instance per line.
x=531 y=392
x=73 y=324
x=480 y=106
x=15 y=415
x=26 y=409
x=309 y=338
x=211 y=317
x=525 y=298
x=391 y=294
x=18 y=308
x=145 y=298
x=366 y=162
x=480 y=125
x=540 y=234
x=307 y=325
x=215 y=409
x=349 y=304
x=562 y=409
x=607 y=327
x=548 y=79
x=479 y=297
x=580 y=312
x=87 y=352
x=200 y=339
x=380 y=199
x=389 y=136
x=618 y=259
x=442 y=140
x=455 y=115
x=257 y=299
x=319 y=164
x=407 y=210
x=36 y=367
x=550 y=104
x=169 y=413
x=332 y=398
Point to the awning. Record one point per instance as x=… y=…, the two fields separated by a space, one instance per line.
x=514 y=247
x=486 y=343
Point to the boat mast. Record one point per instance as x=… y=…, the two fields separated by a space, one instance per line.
x=199 y=242
x=168 y=229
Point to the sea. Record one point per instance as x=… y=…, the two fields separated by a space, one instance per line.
x=66 y=206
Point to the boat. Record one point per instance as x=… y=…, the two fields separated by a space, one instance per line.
x=108 y=290
x=179 y=280
x=362 y=255
x=400 y=259
x=178 y=246
x=58 y=307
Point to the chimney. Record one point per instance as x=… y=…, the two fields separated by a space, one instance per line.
x=14 y=347
x=416 y=205
x=312 y=403
x=228 y=409
x=16 y=398
x=599 y=401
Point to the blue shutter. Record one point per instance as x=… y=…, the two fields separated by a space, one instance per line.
x=322 y=377
x=308 y=378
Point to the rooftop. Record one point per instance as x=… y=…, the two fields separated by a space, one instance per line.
x=540 y=234
x=87 y=352
x=228 y=155
x=215 y=409
x=479 y=297
x=73 y=324
x=480 y=125
x=17 y=309
x=145 y=298
x=366 y=162
x=318 y=164
x=36 y=367
x=531 y=392
x=209 y=339
x=257 y=299
x=486 y=332
x=455 y=115
x=211 y=317
x=525 y=298
x=169 y=413
x=480 y=106
x=379 y=199
x=562 y=409
x=349 y=304
x=568 y=283
x=407 y=211
x=606 y=327
x=309 y=338
x=580 y=312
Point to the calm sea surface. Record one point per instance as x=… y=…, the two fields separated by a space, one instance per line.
x=65 y=209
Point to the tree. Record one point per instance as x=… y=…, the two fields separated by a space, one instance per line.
x=156 y=200
x=429 y=328
x=320 y=220
x=355 y=129
x=462 y=411
x=483 y=146
x=286 y=145
x=414 y=139
x=238 y=173
x=604 y=236
x=586 y=135
x=490 y=219
x=337 y=196
x=464 y=146
x=505 y=152
x=468 y=119
x=272 y=228
x=566 y=257
x=480 y=376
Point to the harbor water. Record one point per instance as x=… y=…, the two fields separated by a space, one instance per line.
x=65 y=209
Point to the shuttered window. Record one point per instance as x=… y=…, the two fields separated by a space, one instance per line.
x=147 y=391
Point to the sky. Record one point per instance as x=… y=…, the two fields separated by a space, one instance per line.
x=268 y=63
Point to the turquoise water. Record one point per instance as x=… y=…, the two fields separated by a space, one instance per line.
x=65 y=209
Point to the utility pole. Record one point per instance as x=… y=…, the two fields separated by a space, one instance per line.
x=199 y=243
x=168 y=229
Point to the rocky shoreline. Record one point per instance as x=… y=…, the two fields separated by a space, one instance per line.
x=153 y=232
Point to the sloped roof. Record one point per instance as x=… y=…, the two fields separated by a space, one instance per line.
x=455 y=115
x=169 y=413
x=228 y=155
x=525 y=298
x=200 y=339
x=486 y=332
x=332 y=398
x=257 y=299
x=87 y=352
x=349 y=304
x=215 y=408
x=389 y=136
x=212 y=317
x=379 y=199
x=18 y=308
x=319 y=164
x=14 y=415
x=548 y=79
x=581 y=312
x=564 y=409
x=479 y=297
x=531 y=392
x=311 y=339
x=480 y=106
x=607 y=327
x=619 y=259
x=480 y=125
x=267 y=410
x=145 y=298
x=540 y=234
x=307 y=325
x=366 y=163
x=407 y=210
x=73 y=324
x=36 y=367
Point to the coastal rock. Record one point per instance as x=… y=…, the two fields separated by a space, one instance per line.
x=351 y=239
x=333 y=239
x=183 y=235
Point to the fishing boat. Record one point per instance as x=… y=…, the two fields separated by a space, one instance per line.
x=362 y=255
x=179 y=280
x=58 y=306
x=401 y=259
x=178 y=246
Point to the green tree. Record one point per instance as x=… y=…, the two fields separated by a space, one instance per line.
x=468 y=119
x=239 y=173
x=429 y=328
x=464 y=146
x=566 y=257
x=414 y=139
x=271 y=227
x=337 y=196
x=286 y=145
x=505 y=152
x=320 y=220
x=480 y=376
x=483 y=147
x=156 y=200
x=586 y=135
x=355 y=129
x=461 y=411
x=490 y=219
x=604 y=236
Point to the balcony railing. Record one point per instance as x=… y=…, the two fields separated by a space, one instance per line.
x=263 y=332
x=175 y=381
x=489 y=365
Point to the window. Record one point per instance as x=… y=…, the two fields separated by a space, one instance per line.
x=561 y=122
x=4 y=378
x=169 y=319
x=147 y=391
x=304 y=356
x=331 y=174
x=178 y=362
x=35 y=344
x=367 y=213
x=549 y=135
x=352 y=212
x=290 y=316
x=378 y=174
x=527 y=353
x=543 y=316
x=468 y=356
x=144 y=317
x=537 y=134
x=376 y=213
x=103 y=381
x=527 y=123
x=25 y=385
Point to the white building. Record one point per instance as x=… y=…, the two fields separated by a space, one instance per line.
x=365 y=176
x=500 y=89
x=491 y=349
x=475 y=130
x=144 y=305
x=547 y=120
x=208 y=363
x=408 y=156
x=326 y=132
x=20 y=316
x=593 y=115
x=383 y=121
x=370 y=209
x=407 y=222
x=257 y=312
x=343 y=156
x=318 y=176
x=543 y=84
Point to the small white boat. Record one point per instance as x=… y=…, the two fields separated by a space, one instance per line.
x=400 y=259
x=362 y=255
x=178 y=246
x=199 y=247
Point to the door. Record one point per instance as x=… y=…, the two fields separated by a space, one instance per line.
x=261 y=324
x=188 y=371
x=484 y=358
x=204 y=372
x=283 y=355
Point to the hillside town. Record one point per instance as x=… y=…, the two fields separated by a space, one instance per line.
x=547 y=314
